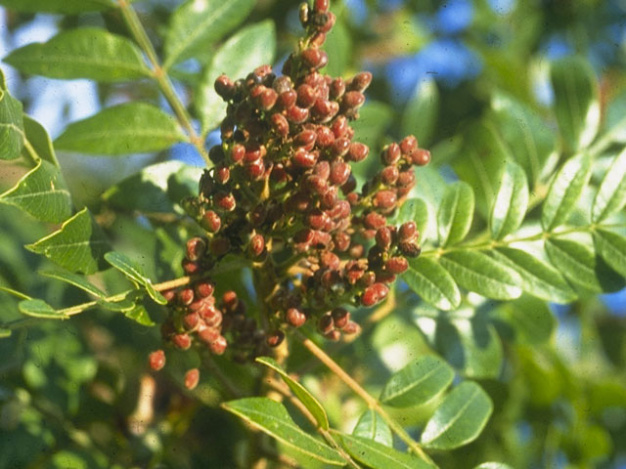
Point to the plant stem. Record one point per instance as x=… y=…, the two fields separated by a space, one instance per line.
x=161 y=76
x=363 y=394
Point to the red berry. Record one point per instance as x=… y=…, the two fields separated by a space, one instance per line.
x=397 y=265
x=275 y=338
x=408 y=144
x=358 y=151
x=192 y=378
x=211 y=221
x=157 y=360
x=218 y=347
x=181 y=341
x=374 y=294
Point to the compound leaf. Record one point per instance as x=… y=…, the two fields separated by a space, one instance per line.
x=377 y=455
x=372 y=426
x=134 y=272
x=611 y=196
x=612 y=248
x=456 y=212
x=433 y=283
x=511 y=202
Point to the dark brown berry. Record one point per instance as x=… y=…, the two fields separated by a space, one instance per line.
x=275 y=338
x=196 y=248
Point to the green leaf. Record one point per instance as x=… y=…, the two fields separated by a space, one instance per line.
x=307 y=399
x=128 y=128
x=91 y=53
x=456 y=212
x=41 y=193
x=493 y=465
x=511 y=202
x=272 y=418
x=417 y=383
x=459 y=419
x=372 y=426
x=57 y=6
x=253 y=46
x=40 y=309
x=484 y=154
x=611 y=196
x=155 y=189
x=579 y=264
x=377 y=455
x=531 y=142
x=129 y=268
x=374 y=119
x=565 y=190
x=39 y=140
x=526 y=320
x=433 y=283
x=478 y=272
x=539 y=278
x=415 y=210
x=576 y=103
x=78 y=246
x=74 y=279
x=139 y=314
x=5 y=333
x=339 y=47
x=197 y=24
x=11 y=124
x=612 y=247
x=420 y=115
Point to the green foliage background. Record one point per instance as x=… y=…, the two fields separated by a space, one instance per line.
x=521 y=212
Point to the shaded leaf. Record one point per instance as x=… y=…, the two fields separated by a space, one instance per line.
x=374 y=118
x=119 y=130
x=420 y=115
x=197 y=24
x=377 y=455
x=459 y=419
x=74 y=279
x=11 y=124
x=39 y=140
x=484 y=155
x=39 y=309
x=371 y=425
x=612 y=247
x=433 y=283
x=611 y=196
x=130 y=268
x=539 y=278
x=139 y=314
x=78 y=246
x=579 y=264
x=272 y=418
x=576 y=102
x=5 y=333
x=307 y=399
x=478 y=272
x=417 y=383
x=155 y=189
x=338 y=45
x=511 y=202
x=565 y=190
x=42 y=193
x=455 y=214
x=253 y=46
x=91 y=53
x=57 y=6
x=532 y=143
x=526 y=320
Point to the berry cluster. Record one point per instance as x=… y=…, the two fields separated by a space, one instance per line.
x=282 y=195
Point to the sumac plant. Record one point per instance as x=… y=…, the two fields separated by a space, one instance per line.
x=322 y=292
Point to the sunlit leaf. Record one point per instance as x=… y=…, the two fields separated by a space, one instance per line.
x=57 y=6
x=511 y=202
x=39 y=140
x=139 y=314
x=78 y=246
x=42 y=193
x=459 y=419
x=478 y=272
x=433 y=283
x=272 y=418
x=253 y=46
x=417 y=383
x=196 y=24
x=611 y=196
x=371 y=425
x=576 y=103
x=128 y=128
x=377 y=455
x=539 y=278
x=456 y=212
x=307 y=399
x=91 y=53
x=565 y=190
